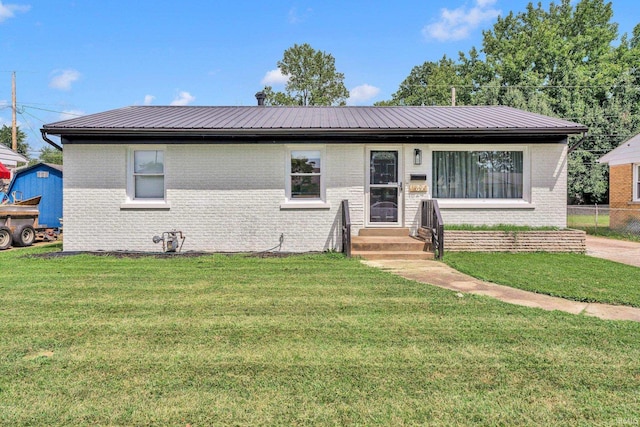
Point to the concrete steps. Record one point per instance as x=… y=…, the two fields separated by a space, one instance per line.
x=388 y=243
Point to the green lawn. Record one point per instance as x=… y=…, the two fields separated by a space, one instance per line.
x=306 y=340
x=572 y=276
x=584 y=221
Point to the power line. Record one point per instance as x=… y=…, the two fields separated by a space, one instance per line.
x=54 y=111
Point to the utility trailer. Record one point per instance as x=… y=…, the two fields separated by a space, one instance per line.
x=19 y=222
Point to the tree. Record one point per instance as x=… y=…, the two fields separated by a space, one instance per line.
x=430 y=84
x=313 y=79
x=50 y=155
x=5 y=138
x=561 y=61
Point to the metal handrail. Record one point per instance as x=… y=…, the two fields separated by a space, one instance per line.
x=431 y=218
x=346 y=229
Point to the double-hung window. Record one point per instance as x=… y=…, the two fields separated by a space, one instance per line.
x=305 y=174
x=494 y=174
x=146 y=180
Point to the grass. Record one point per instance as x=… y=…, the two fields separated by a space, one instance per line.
x=611 y=234
x=306 y=340
x=572 y=276
x=586 y=221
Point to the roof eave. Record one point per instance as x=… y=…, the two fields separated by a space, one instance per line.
x=203 y=132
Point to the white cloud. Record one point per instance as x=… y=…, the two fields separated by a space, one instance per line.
x=275 y=77
x=362 y=93
x=295 y=17
x=458 y=23
x=63 y=79
x=148 y=99
x=9 y=10
x=71 y=114
x=183 y=98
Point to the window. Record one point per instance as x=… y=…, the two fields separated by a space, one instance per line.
x=147 y=175
x=305 y=175
x=636 y=182
x=42 y=174
x=478 y=174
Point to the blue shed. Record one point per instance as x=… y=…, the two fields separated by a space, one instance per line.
x=41 y=179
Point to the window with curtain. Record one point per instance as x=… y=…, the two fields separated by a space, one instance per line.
x=478 y=174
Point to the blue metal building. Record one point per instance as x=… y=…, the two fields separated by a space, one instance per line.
x=42 y=179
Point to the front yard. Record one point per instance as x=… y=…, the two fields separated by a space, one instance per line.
x=319 y=340
x=572 y=276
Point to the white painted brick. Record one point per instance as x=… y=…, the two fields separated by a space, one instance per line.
x=227 y=198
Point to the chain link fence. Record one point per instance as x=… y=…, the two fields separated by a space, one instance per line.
x=604 y=218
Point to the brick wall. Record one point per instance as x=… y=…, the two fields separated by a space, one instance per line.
x=623 y=210
x=515 y=241
x=223 y=198
x=227 y=197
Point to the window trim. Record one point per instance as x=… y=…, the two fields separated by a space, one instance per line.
x=521 y=203
x=292 y=203
x=131 y=202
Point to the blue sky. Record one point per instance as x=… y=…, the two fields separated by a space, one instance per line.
x=85 y=56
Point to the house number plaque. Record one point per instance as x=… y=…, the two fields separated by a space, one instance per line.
x=418 y=188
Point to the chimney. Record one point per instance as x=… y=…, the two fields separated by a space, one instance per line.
x=261 y=96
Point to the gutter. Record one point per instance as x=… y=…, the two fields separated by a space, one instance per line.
x=283 y=132
x=48 y=141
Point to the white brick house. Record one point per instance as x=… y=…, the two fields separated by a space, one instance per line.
x=237 y=179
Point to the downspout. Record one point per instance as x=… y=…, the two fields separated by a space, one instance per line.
x=48 y=141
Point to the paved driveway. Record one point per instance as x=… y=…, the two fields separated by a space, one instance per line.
x=614 y=250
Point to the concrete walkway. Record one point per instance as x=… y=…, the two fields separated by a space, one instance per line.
x=614 y=250
x=439 y=274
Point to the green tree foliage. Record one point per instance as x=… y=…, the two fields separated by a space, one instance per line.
x=50 y=155
x=313 y=79
x=5 y=138
x=561 y=61
x=430 y=84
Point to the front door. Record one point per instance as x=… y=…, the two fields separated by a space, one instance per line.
x=384 y=188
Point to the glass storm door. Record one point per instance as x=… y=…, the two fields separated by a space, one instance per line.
x=385 y=188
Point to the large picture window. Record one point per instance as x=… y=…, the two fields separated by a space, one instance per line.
x=305 y=175
x=478 y=174
x=148 y=174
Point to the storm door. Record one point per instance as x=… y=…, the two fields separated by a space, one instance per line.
x=384 y=188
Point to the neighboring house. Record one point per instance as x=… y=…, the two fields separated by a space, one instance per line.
x=41 y=179
x=624 y=185
x=10 y=159
x=248 y=178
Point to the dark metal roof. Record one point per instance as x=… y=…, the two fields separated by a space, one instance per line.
x=297 y=120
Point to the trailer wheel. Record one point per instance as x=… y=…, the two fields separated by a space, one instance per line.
x=5 y=238
x=24 y=235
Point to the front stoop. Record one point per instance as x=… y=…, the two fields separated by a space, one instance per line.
x=388 y=243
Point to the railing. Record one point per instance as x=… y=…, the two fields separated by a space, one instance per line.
x=431 y=219
x=346 y=229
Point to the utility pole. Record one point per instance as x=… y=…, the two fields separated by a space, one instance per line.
x=14 y=128
x=453 y=96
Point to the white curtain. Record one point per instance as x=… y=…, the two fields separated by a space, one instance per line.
x=477 y=174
